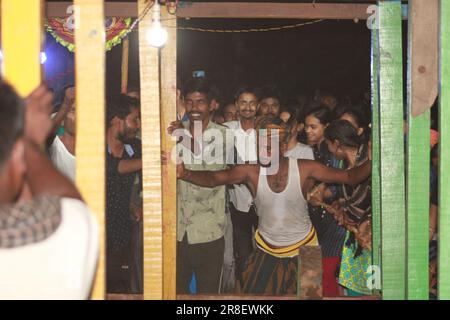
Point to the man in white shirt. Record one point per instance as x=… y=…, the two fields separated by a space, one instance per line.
x=62 y=149
x=242 y=210
x=48 y=236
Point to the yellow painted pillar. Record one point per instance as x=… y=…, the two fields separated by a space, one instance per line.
x=151 y=161
x=169 y=176
x=90 y=99
x=22 y=30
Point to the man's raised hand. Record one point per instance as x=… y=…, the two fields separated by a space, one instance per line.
x=37 y=115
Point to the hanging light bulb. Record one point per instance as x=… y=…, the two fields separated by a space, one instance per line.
x=43 y=57
x=157 y=35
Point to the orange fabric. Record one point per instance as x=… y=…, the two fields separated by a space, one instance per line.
x=434 y=137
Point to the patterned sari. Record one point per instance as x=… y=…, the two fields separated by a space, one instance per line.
x=355 y=260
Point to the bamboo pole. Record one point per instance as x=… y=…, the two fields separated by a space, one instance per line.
x=151 y=161
x=393 y=229
x=169 y=180
x=125 y=61
x=21 y=27
x=90 y=142
x=444 y=154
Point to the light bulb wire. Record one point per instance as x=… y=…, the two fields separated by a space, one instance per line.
x=141 y=16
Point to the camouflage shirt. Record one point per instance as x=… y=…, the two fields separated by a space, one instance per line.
x=201 y=211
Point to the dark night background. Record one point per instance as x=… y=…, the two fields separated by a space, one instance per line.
x=332 y=55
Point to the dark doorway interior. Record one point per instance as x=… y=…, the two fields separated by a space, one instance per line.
x=328 y=55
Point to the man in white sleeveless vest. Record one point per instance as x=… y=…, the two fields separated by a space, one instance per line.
x=279 y=187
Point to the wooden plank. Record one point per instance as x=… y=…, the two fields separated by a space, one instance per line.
x=444 y=155
x=124 y=69
x=392 y=151
x=237 y=10
x=90 y=142
x=309 y=284
x=376 y=200
x=169 y=174
x=21 y=43
x=424 y=62
x=112 y=9
x=151 y=161
x=118 y=296
x=418 y=148
x=271 y=10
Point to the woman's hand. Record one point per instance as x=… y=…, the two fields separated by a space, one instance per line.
x=364 y=234
x=316 y=195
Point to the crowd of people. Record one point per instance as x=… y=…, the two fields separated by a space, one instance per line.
x=258 y=178
x=308 y=199
x=319 y=193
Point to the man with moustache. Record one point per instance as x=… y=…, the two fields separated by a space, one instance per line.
x=201 y=211
x=270 y=101
x=242 y=209
x=230 y=112
x=123 y=158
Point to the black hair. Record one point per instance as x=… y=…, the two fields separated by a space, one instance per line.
x=120 y=106
x=295 y=109
x=246 y=89
x=60 y=95
x=270 y=91
x=216 y=94
x=361 y=119
x=319 y=111
x=201 y=85
x=217 y=113
x=12 y=110
x=264 y=121
x=357 y=114
x=344 y=132
x=434 y=153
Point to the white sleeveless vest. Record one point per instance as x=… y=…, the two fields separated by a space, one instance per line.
x=283 y=217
